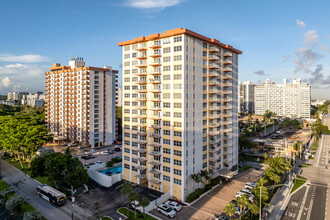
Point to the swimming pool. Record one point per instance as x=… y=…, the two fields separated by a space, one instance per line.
x=111 y=170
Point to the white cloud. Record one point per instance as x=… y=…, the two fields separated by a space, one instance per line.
x=260 y=72
x=310 y=38
x=148 y=4
x=23 y=69
x=5 y=82
x=305 y=58
x=300 y=23
x=28 y=58
x=324 y=48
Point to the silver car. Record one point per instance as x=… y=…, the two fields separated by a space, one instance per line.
x=162 y=208
x=174 y=205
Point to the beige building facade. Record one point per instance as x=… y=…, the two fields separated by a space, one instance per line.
x=179 y=109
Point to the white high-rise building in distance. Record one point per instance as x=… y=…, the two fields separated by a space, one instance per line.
x=285 y=99
x=246 y=97
x=180 y=110
x=81 y=103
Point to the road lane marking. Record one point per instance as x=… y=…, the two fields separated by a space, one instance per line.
x=302 y=206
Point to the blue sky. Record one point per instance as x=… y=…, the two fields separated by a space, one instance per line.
x=279 y=38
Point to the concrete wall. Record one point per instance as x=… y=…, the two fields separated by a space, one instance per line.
x=157 y=202
x=104 y=180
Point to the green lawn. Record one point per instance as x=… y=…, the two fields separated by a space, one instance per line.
x=315 y=145
x=43 y=180
x=254 y=159
x=246 y=167
x=123 y=211
x=297 y=183
x=3 y=185
x=26 y=207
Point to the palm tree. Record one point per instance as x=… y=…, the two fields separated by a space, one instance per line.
x=229 y=209
x=144 y=203
x=126 y=189
x=196 y=178
x=133 y=196
x=205 y=175
x=242 y=203
x=254 y=208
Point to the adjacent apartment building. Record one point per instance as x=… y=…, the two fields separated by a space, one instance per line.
x=34 y=100
x=81 y=103
x=285 y=99
x=180 y=109
x=246 y=97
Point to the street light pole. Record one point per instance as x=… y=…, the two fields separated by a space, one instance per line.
x=260 y=203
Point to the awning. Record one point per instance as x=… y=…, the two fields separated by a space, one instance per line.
x=227 y=173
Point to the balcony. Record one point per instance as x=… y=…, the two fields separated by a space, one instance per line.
x=155 y=54
x=213 y=74
x=141 y=176
x=141 y=150
x=141 y=159
x=213 y=91
x=142 y=47
x=227 y=106
x=156 y=99
x=155 y=162
x=155 y=45
x=140 y=73
x=141 y=141
x=213 y=99
x=155 y=117
x=142 y=64
x=155 y=153
x=227 y=69
x=154 y=144
x=214 y=49
x=227 y=84
x=156 y=90
x=155 y=63
x=155 y=81
x=214 y=66
x=153 y=171
x=227 y=54
x=142 y=90
x=142 y=167
x=142 y=124
x=156 y=181
x=227 y=92
x=227 y=99
x=155 y=135
x=214 y=141
x=155 y=108
x=156 y=126
x=155 y=72
x=142 y=133
x=143 y=81
x=227 y=61
x=141 y=107
x=214 y=57
x=214 y=107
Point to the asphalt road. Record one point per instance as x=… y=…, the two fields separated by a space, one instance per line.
x=26 y=186
x=296 y=200
x=322 y=158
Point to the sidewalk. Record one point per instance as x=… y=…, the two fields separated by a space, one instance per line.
x=280 y=200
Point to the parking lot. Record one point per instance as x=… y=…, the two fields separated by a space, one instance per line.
x=214 y=201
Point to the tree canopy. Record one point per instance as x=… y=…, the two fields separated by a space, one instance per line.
x=62 y=170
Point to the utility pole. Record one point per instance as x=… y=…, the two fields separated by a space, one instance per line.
x=260 y=203
x=72 y=202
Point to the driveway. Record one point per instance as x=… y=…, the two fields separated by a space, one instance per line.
x=214 y=201
x=105 y=201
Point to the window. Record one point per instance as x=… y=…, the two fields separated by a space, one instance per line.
x=127 y=79
x=177 y=181
x=127 y=56
x=167 y=160
x=166 y=59
x=166 y=169
x=177 y=67
x=127 y=150
x=166 y=105
x=177 y=86
x=127 y=135
x=177 y=95
x=167 y=114
x=177 y=48
x=126 y=166
x=166 y=95
x=177 y=143
x=166 y=50
x=134 y=55
x=177 y=134
x=126 y=158
x=177 y=76
x=177 y=153
x=177 y=172
x=166 y=178
x=177 y=105
x=166 y=151
x=178 y=39
x=167 y=132
x=166 y=86
x=166 y=141
x=177 y=162
x=167 y=77
x=167 y=41
x=166 y=68
x=205 y=45
x=177 y=58
x=166 y=123
x=127 y=88
x=126 y=63
x=177 y=124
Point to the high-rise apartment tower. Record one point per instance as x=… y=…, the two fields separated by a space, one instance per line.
x=179 y=109
x=81 y=103
x=285 y=99
x=246 y=97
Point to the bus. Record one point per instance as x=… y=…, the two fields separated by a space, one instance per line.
x=52 y=195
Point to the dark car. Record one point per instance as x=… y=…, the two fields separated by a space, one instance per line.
x=85 y=157
x=117 y=149
x=91 y=156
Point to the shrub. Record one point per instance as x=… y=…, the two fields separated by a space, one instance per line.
x=34 y=215
x=5 y=192
x=199 y=192
x=191 y=197
x=215 y=182
x=207 y=187
x=14 y=201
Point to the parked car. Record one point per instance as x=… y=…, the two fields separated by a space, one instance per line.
x=99 y=162
x=244 y=210
x=164 y=209
x=117 y=149
x=135 y=205
x=110 y=151
x=91 y=156
x=118 y=157
x=65 y=144
x=72 y=144
x=248 y=191
x=81 y=147
x=105 y=152
x=85 y=157
x=252 y=184
x=239 y=194
x=174 y=205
